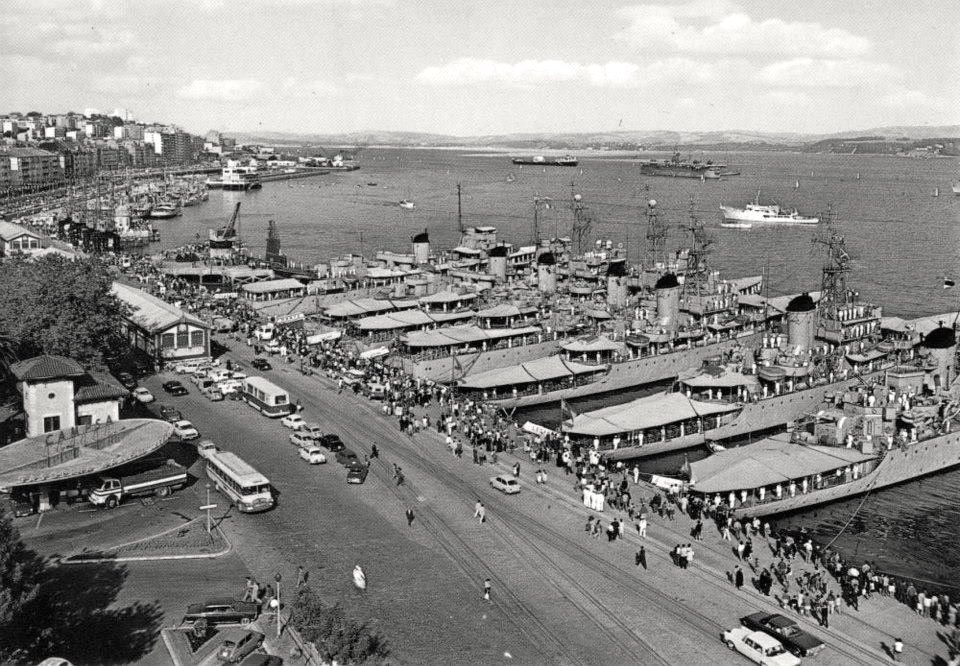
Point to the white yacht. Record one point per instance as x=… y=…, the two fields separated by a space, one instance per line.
x=757 y=213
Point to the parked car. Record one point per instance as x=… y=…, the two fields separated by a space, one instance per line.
x=357 y=474
x=272 y=347
x=185 y=430
x=313 y=455
x=170 y=414
x=218 y=374
x=302 y=439
x=142 y=395
x=127 y=380
x=796 y=640
x=238 y=643
x=175 y=388
x=200 y=375
x=238 y=375
x=229 y=386
x=331 y=442
x=261 y=659
x=313 y=430
x=261 y=364
x=759 y=647
x=346 y=457
x=212 y=392
x=187 y=367
x=293 y=421
x=223 y=610
x=506 y=483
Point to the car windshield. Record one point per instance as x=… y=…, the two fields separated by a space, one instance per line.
x=789 y=630
x=774 y=651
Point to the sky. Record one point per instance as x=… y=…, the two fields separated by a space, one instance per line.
x=488 y=67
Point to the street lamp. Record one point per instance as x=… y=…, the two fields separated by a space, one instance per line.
x=277 y=578
x=206 y=507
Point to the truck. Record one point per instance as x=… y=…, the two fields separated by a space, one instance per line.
x=160 y=481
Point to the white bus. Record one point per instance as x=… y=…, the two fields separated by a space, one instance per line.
x=266 y=397
x=245 y=486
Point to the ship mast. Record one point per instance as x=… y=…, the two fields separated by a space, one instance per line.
x=697 y=275
x=833 y=283
x=656 y=235
x=459 y=210
x=539 y=203
x=582 y=223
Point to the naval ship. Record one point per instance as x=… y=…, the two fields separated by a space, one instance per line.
x=675 y=167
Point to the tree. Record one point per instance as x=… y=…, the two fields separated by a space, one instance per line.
x=334 y=634
x=53 y=305
x=20 y=573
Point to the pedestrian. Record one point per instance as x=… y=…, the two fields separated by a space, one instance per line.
x=301 y=577
x=642 y=526
x=482 y=515
x=476 y=509
x=486 y=589
x=410 y=517
x=897 y=649
x=249 y=591
x=741 y=546
x=738 y=577
x=642 y=557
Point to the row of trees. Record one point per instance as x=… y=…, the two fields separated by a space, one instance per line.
x=336 y=636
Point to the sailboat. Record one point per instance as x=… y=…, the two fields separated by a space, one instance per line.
x=936 y=191
x=796 y=185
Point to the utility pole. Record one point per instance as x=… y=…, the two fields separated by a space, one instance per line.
x=459 y=209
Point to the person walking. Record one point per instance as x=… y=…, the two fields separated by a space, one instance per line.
x=738 y=577
x=897 y=650
x=487 y=587
x=410 y=517
x=301 y=577
x=642 y=557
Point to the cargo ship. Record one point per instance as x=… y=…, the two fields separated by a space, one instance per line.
x=676 y=167
x=540 y=160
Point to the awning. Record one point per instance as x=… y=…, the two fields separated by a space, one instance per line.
x=459 y=335
x=592 y=344
x=409 y=319
x=538 y=370
x=769 y=462
x=447 y=297
x=374 y=353
x=727 y=379
x=650 y=412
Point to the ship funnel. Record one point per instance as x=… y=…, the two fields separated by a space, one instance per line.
x=421 y=247
x=617 y=284
x=497 y=262
x=801 y=321
x=668 y=301
x=547 y=273
x=941 y=344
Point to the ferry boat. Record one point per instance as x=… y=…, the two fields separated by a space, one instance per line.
x=164 y=211
x=762 y=214
x=859 y=442
x=676 y=167
x=540 y=160
x=236 y=176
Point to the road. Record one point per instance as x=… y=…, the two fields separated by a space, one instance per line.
x=559 y=597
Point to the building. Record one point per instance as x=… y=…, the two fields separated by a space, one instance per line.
x=58 y=394
x=15 y=239
x=160 y=330
x=34 y=167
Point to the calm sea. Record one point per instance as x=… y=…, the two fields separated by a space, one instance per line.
x=903 y=240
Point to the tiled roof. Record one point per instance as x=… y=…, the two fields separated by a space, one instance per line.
x=9 y=231
x=46 y=367
x=98 y=387
x=149 y=312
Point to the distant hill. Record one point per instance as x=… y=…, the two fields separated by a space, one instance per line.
x=626 y=139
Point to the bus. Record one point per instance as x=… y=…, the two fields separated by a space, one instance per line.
x=266 y=397
x=246 y=487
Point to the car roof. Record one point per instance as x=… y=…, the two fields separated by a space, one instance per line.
x=765 y=641
x=184 y=424
x=780 y=621
x=507 y=478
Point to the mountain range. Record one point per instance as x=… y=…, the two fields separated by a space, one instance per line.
x=647 y=138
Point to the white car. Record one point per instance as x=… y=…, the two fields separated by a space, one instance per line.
x=313 y=455
x=229 y=386
x=238 y=374
x=143 y=395
x=759 y=647
x=506 y=483
x=302 y=439
x=293 y=421
x=185 y=430
x=187 y=367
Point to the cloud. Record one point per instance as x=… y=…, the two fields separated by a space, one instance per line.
x=820 y=73
x=55 y=41
x=297 y=89
x=720 y=27
x=221 y=90
x=472 y=71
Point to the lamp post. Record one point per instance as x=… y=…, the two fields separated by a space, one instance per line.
x=277 y=578
x=207 y=507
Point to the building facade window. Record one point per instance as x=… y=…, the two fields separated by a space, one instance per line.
x=168 y=340
x=183 y=337
x=51 y=423
x=196 y=339
x=86 y=419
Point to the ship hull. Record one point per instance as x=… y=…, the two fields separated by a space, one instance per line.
x=560 y=163
x=898 y=465
x=633 y=374
x=739 y=216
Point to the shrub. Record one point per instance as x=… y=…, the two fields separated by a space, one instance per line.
x=335 y=635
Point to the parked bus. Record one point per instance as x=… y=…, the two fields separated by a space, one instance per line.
x=266 y=397
x=245 y=486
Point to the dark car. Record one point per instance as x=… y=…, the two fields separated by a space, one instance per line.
x=261 y=659
x=261 y=364
x=331 y=442
x=237 y=644
x=357 y=473
x=175 y=388
x=170 y=414
x=346 y=457
x=785 y=630
x=127 y=380
x=223 y=610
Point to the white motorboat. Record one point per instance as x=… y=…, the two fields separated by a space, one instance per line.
x=764 y=214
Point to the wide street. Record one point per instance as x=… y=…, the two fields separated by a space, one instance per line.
x=558 y=596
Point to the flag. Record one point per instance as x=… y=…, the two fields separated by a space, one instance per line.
x=948 y=282
x=567 y=415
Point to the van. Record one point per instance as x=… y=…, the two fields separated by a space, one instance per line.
x=264 y=332
x=376 y=391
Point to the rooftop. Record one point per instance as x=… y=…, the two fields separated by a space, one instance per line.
x=149 y=312
x=649 y=412
x=44 y=367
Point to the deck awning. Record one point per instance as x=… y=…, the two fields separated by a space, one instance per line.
x=769 y=462
x=408 y=319
x=447 y=297
x=725 y=380
x=597 y=343
x=366 y=306
x=459 y=335
x=538 y=370
x=649 y=412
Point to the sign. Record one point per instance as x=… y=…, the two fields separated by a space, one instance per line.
x=290 y=319
x=207 y=507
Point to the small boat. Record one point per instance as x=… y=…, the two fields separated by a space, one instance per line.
x=372 y=184
x=510 y=178
x=936 y=191
x=407 y=205
x=736 y=225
